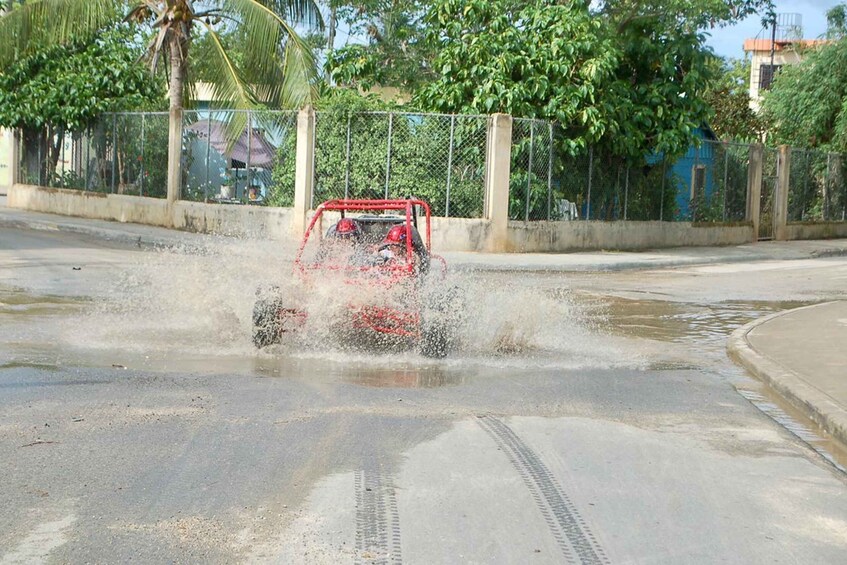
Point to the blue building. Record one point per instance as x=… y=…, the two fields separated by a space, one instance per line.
x=693 y=173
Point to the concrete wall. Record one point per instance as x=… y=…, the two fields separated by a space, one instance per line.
x=819 y=230
x=448 y=234
x=223 y=219
x=95 y=205
x=233 y=219
x=534 y=237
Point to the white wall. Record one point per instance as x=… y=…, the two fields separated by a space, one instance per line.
x=6 y=140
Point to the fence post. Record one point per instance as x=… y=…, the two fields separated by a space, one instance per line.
x=550 y=173
x=529 y=170
x=388 y=153
x=347 y=159
x=826 y=177
x=754 y=187
x=15 y=173
x=498 y=155
x=450 y=165
x=588 y=196
x=303 y=169
x=780 y=215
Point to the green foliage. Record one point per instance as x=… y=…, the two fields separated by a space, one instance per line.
x=69 y=86
x=729 y=99
x=807 y=104
x=553 y=65
x=419 y=155
x=691 y=14
x=630 y=85
x=396 y=53
x=836 y=22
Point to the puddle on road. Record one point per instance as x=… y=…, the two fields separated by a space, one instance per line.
x=682 y=322
x=792 y=419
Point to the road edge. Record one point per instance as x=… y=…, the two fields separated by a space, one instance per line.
x=818 y=406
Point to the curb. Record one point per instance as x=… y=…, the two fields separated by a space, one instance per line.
x=818 y=406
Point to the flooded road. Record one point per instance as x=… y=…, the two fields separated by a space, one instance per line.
x=588 y=418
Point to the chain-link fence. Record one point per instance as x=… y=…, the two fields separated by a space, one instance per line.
x=531 y=177
x=248 y=157
x=440 y=158
x=547 y=182
x=120 y=154
x=239 y=156
x=817 y=188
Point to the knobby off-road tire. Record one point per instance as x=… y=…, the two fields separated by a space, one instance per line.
x=267 y=327
x=440 y=322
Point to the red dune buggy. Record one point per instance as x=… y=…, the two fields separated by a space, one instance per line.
x=380 y=266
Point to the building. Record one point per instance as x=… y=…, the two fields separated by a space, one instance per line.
x=767 y=57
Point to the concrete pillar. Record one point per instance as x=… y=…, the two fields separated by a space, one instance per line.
x=498 y=162
x=780 y=199
x=15 y=176
x=304 y=172
x=754 y=187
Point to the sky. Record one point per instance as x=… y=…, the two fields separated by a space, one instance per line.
x=729 y=41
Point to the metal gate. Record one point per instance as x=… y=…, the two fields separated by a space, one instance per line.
x=770 y=179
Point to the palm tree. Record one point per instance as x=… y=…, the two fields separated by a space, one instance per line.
x=277 y=68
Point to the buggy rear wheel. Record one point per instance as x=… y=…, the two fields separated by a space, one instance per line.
x=436 y=340
x=267 y=326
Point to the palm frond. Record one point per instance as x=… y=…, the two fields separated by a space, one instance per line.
x=229 y=89
x=304 y=12
x=287 y=77
x=37 y=24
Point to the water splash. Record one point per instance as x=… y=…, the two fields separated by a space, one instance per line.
x=198 y=303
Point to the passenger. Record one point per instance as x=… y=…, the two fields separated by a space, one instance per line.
x=393 y=248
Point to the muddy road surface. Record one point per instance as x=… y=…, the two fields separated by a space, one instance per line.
x=586 y=418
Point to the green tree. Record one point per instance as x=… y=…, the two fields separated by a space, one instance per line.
x=65 y=88
x=690 y=14
x=544 y=60
x=728 y=96
x=806 y=104
x=277 y=69
x=396 y=54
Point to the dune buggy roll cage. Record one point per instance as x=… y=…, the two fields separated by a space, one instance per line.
x=408 y=205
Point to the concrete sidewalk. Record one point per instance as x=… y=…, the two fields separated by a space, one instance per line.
x=590 y=261
x=802 y=354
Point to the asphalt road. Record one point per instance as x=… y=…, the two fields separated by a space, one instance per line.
x=591 y=418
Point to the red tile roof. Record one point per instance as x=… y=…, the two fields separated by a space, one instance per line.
x=780 y=44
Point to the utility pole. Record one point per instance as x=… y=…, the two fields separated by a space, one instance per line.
x=330 y=39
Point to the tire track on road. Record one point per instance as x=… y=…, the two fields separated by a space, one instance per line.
x=377 y=520
x=572 y=534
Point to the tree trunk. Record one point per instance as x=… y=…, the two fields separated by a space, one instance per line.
x=178 y=47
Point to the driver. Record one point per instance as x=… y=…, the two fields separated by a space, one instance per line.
x=346 y=229
x=393 y=248
x=342 y=240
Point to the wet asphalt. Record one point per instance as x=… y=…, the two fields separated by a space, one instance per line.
x=640 y=452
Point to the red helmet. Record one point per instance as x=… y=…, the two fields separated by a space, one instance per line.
x=347 y=227
x=395 y=236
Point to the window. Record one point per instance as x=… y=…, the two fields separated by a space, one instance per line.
x=766 y=75
x=698 y=181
